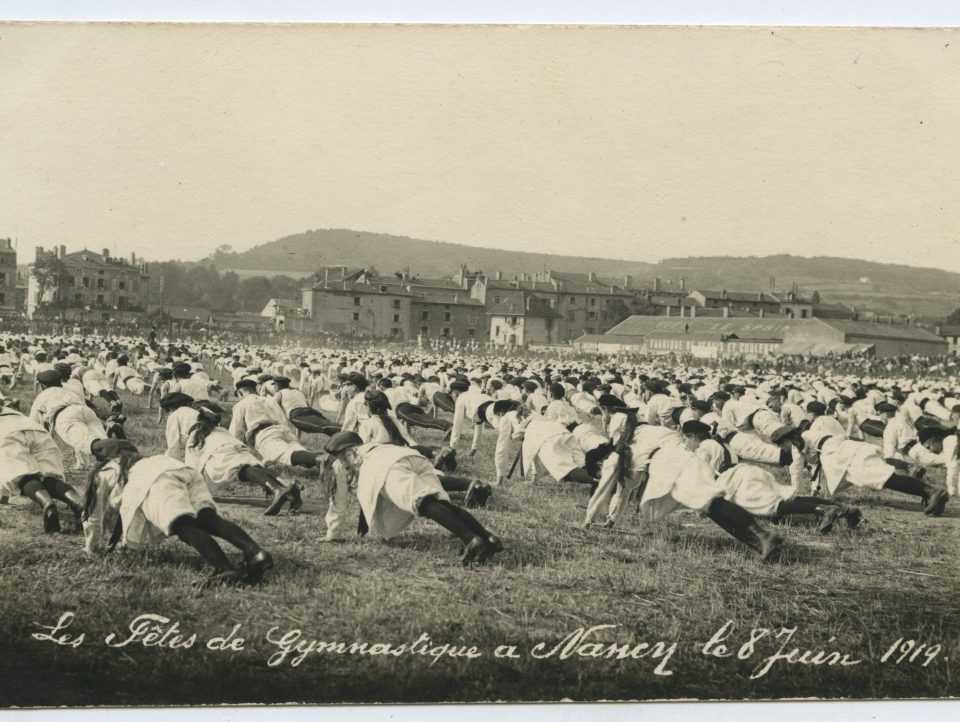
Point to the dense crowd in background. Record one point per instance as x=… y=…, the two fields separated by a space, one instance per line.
x=394 y=422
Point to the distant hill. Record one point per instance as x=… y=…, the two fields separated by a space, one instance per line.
x=867 y=285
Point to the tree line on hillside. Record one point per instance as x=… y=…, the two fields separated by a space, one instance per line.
x=203 y=285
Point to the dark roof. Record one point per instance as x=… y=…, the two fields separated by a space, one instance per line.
x=899 y=332
x=832 y=310
x=608 y=338
x=92 y=258
x=527 y=305
x=352 y=287
x=743 y=328
x=948 y=330
x=758 y=297
x=460 y=297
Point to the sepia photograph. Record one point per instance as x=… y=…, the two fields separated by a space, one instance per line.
x=492 y=363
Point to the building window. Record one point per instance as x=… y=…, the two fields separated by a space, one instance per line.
x=100 y=298
x=396 y=318
x=446 y=316
x=803 y=313
x=571 y=316
x=123 y=285
x=592 y=315
x=573 y=300
x=588 y=330
x=99 y=283
x=394 y=331
x=471 y=332
x=396 y=303
x=424 y=315
x=78 y=298
x=356 y=316
x=3 y=298
x=496 y=299
x=356 y=300
x=496 y=330
x=86 y=282
x=593 y=302
x=446 y=331
x=513 y=320
x=424 y=330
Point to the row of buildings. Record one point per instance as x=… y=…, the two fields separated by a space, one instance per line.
x=582 y=310
x=543 y=308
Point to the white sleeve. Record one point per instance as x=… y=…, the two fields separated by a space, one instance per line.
x=458 y=417
x=501 y=456
x=173 y=436
x=93 y=526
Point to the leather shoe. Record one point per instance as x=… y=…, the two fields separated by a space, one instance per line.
x=51 y=519
x=253 y=569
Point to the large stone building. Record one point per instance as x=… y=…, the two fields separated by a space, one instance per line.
x=951 y=334
x=581 y=302
x=357 y=302
x=8 y=278
x=523 y=319
x=92 y=286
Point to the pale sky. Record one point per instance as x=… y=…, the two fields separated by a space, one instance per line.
x=627 y=143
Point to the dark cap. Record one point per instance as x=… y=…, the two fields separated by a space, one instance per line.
x=357 y=379
x=246 y=384
x=695 y=427
x=377 y=401
x=504 y=406
x=50 y=377
x=103 y=449
x=175 y=400
x=281 y=381
x=459 y=386
x=886 y=408
x=817 y=407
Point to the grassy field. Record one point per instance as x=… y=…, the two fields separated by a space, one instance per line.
x=678 y=583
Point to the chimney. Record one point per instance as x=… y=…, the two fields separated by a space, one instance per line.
x=106 y=253
x=760 y=295
x=528 y=302
x=681 y=310
x=133 y=259
x=38 y=252
x=63 y=252
x=499 y=275
x=456 y=298
x=668 y=310
x=627 y=281
x=656 y=284
x=726 y=312
x=761 y=313
x=693 y=311
x=591 y=276
x=723 y=294
x=683 y=283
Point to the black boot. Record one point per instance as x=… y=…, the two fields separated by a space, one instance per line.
x=936 y=500
x=477 y=495
x=280 y=496
x=852 y=515
x=742 y=525
x=253 y=567
x=829 y=515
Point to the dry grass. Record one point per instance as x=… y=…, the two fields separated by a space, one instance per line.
x=676 y=581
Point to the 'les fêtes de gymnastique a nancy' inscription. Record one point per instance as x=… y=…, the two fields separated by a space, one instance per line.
x=764 y=649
